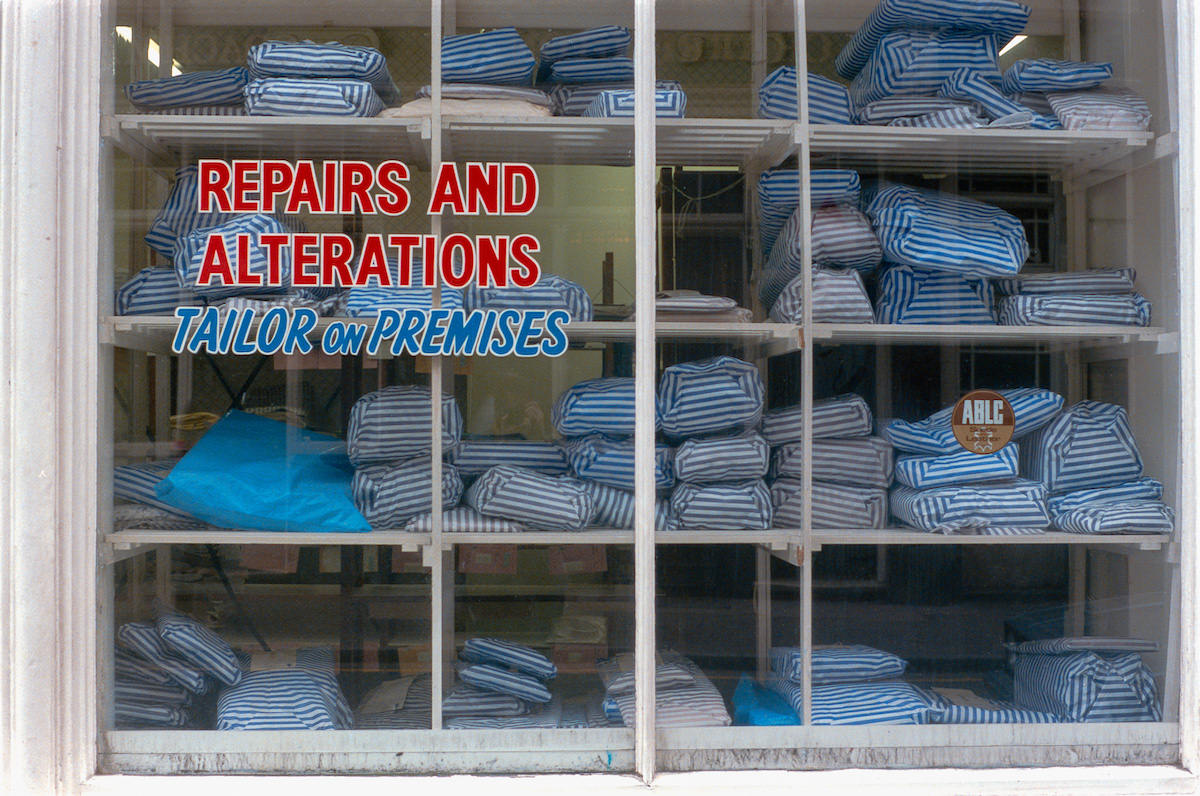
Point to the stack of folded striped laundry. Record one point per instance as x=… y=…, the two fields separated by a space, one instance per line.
x=501 y=685
x=711 y=409
x=851 y=469
x=1070 y=92
x=1098 y=296
x=389 y=444
x=286 y=690
x=844 y=247
x=683 y=694
x=552 y=292
x=1087 y=678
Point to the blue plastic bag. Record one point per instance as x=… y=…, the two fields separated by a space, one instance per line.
x=756 y=706
x=258 y=474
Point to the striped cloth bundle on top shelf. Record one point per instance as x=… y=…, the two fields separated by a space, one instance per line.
x=1074 y=298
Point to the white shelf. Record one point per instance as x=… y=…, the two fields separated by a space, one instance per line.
x=906 y=536
x=980 y=151
x=133 y=537
x=875 y=333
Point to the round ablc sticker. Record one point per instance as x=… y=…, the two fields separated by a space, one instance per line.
x=983 y=421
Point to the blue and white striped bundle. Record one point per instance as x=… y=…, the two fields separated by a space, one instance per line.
x=390 y=495
x=1097 y=280
x=199 y=110
x=510 y=654
x=471 y=91
x=960 y=118
x=469 y=700
x=839 y=296
x=1012 y=508
x=153 y=291
x=488 y=677
x=495 y=56
x=129 y=714
x=600 y=42
x=860 y=461
x=828 y=101
x=462 y=519
x=1056 y=646
x=1003 y=111
x=891 y=110
x=367 y=302
x=721 y=507
x=602 y=405
x=1101 y=109
x=309 y=60
x=718 y=394
x=546 y=716
x=142 y=639
x=1115 y=309
x=973 y=709
x=1086 y=685
x=538 y=502
x=915 y=61
x=402 y=704
x=714 y=459
x=618 y=674
x=852 y=663
x=199 y=646
x=1033 y=407
x=284 y=699
x=619 y=103
x=615 y=507
x=217 y=87
x=834 y=505
x=552 y=292
x=908 y=295
x=1003 y=18
x=694 y=704
x=592 y=70
x=135 y=691
x=138 y=482
x=572 y=99
x=128 y=666
x=474 y=457
x=609 y=460
x=922 y=471
x=179 y=216
x=392 y=425
x=841 y=237
x=1132 y=516
x=930 y=229
x=1141 y=489
x=841 y=416
x=189 y=256
x=1088 y=445
x=858 y=703
x=287 y=96
x=779 y=196
x=1048 y=74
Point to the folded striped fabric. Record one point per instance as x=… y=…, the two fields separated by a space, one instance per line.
x=1141 y=489
x=390 y=495
x=851 y=663
x=392 y=425
x=485 y=91
x=601 y=405
x=834 y=505
x=922 y=471
x=1101 y=109
x=572 y=99
x=940 y=231
x=199 y=646
x=366 y=302
x=893 y=109
x=403 y=704
x=293 y=299
x=618 y=102
x=1013 y=508
x=287 y=96
x=1127 y=309
x=190 y=249
x=140 y=714
x=969 y=84
x=609 y=460
x=469 y=700
x=306 y=59
x=709 y=395
x=536 y=501
x=697 y=705
x=1003 y=18
x=1087 y=686
x=1032 y=408
x=494 y=56
x=217 y=87
x=841 y=236
x=1054 y=646
x=284 y=699
x=839 y=296
x=719 y=507
x=861 y=461
x=1048 y=74
x=828 y=101
x=1133 y=516
x=198 y=110
x=1096 y=280
x=615 y=507
x=477 y=456
x=133 y=667
x=690 y=301
x=1088 y=445
x=841 y=416
x=858 y=703
x=670 y=671
x=138 y=482
x=730 y=458
x=915 y=61
x=954 y=706
x=599 y=42
x=131 y=690
x=961 y=118
x=505 y=681
x=153 y=291
x=552 y=292
x=462 y=519
x=547 y=716
x=779 y=196
x=500 y=652
x=592 y=70
x=142 y=639
x=908 y=295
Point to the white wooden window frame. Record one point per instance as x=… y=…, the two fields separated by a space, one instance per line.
x=52 y=429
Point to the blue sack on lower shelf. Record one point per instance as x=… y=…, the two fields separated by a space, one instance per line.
x=259 y=474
